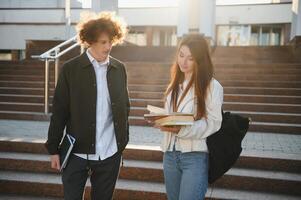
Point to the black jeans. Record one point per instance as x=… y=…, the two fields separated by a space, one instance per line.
x=103 y=177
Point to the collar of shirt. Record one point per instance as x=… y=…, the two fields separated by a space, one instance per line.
x=93 y=60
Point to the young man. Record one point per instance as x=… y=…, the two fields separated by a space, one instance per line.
x=91 y=100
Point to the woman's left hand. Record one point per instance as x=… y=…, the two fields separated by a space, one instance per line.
x=173 y=129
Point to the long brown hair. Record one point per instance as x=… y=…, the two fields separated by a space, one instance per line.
x=201 y=76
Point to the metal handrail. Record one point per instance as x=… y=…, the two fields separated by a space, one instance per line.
x=47 y=54
x=54 y=54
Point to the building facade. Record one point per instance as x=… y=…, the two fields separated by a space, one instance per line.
x=274 y=22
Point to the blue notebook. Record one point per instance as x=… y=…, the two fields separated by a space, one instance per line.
x=65 y=150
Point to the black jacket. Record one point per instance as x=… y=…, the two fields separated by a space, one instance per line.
x=225 y=145
x=74 y=105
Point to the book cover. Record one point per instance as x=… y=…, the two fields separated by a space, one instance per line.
x=175 y=120
x=65 y=149
x=160 y=117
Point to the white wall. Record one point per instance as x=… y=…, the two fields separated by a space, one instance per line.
x=38 y=16
x=296 y=19
x=254 y=14
x=14 y=36
x=150 y=16
x=242 y=14
x=37 y=3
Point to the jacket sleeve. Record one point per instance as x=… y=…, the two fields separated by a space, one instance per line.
x=60 y=113
x=205 y=127
x=127 y=91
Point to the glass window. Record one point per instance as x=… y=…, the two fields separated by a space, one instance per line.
x=265 y=36
x=255 y=35
x=138 y=38
x=243 y=35
x=233 y=35
x=276 y=36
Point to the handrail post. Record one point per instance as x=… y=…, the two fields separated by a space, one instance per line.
x=46 y=89
x=48 y=57
x=56 y=66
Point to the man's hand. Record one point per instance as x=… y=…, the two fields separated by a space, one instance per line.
x=55 y=161
x=173 y=129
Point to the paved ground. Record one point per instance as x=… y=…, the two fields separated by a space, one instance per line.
x=268 y=143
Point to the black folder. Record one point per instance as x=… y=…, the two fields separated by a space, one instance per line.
x=65 y=149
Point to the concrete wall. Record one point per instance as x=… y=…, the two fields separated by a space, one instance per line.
x=36 y=20
x=15 y=36
x=31 y=16
x=150 y=16
x=254 y=14
x=38 y=4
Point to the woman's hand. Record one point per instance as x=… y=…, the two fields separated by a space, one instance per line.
x=173 y=129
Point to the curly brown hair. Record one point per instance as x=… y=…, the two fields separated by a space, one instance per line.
x=92 y=25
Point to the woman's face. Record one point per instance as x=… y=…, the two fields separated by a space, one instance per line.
x=185 y=60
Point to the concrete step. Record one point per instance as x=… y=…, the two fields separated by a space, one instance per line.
x=292 y=118
x=50 y=185
x=254 y=126
x=23 y=107
x=159 y=96
x=231 y=106
x=227 y=76
x=163 y=84
x=34 y=64
x=261 y=83
x=255 y=116
x=273 y=117
x=152 y=172
x=14 y=148
x=230 y=90
x=225 y=83
x=289 y=128
x=19 y=115
x=262 y=98
x=24 y=78
x=152 y=66
x=24 y=90
x=9 y=89
x=25 y=197
x=238 y=179
x=228 y=97
x=27 y=84
x=165 y=79
x=163 y=71
x=23 y=98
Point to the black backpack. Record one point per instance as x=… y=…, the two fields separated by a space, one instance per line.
x=225 y=145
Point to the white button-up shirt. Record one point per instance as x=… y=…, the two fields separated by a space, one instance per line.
x=106 y=145
x=193 y=137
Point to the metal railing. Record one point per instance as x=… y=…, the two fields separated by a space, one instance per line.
x=53 y=55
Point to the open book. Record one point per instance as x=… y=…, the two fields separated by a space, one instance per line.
x=65 y=149
x=160 y=117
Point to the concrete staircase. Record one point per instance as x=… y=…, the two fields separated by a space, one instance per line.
x=25 y=171
x=261 y=83
x=268 y=93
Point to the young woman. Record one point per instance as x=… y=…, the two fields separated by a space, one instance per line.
x=192 y=90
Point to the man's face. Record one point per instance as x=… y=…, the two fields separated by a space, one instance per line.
x=102 y=47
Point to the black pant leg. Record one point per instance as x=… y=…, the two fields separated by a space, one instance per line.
x=74 y=178
x=104 y=177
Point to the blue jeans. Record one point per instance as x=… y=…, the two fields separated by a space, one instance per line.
x=186 y=175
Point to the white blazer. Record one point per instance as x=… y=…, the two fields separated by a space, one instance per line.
x=193 y=137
